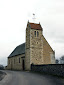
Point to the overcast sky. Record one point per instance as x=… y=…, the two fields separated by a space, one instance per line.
x=14 y=15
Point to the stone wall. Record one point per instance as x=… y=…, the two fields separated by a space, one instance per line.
x=36 y=47
x=48 y=53
x=27 y=59
x=27 y=48
x=54 y=69
x=15 y=63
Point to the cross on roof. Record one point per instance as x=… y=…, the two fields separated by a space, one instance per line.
x=34 y=17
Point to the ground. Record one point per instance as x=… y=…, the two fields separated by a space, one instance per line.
x=2 y=75
x=28 y=78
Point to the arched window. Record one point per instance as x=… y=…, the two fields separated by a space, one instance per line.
x=37 y=33
x=19 y=60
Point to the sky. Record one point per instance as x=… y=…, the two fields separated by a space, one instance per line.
x=14 y=15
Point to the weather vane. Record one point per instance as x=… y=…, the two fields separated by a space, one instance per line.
x=34 y=17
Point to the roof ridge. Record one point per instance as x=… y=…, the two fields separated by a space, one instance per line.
x=34 y=23
x=20 y=44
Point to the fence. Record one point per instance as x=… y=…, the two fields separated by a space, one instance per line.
x=54 y=69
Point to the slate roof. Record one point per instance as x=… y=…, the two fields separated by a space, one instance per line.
x=18 y=50
x=35 y=26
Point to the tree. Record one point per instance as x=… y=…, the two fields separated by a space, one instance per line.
x=62 y=60
x=57 y=61
x=1 y=67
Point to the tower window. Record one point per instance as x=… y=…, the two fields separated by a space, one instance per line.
x=35 y=33
x=37 y=42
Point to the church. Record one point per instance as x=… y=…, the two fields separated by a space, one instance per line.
x=36 y=50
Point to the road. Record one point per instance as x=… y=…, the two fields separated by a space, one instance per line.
x=28 y=78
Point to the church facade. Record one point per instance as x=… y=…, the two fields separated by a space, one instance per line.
x=36 y=50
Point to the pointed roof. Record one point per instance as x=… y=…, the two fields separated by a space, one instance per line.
x=18 y=50
x=35 y=26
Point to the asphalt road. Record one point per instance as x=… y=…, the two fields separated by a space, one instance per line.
x=27 y=78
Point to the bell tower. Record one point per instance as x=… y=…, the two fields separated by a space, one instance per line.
x=34 y=45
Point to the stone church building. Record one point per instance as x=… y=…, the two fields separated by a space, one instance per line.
x=36 y=50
